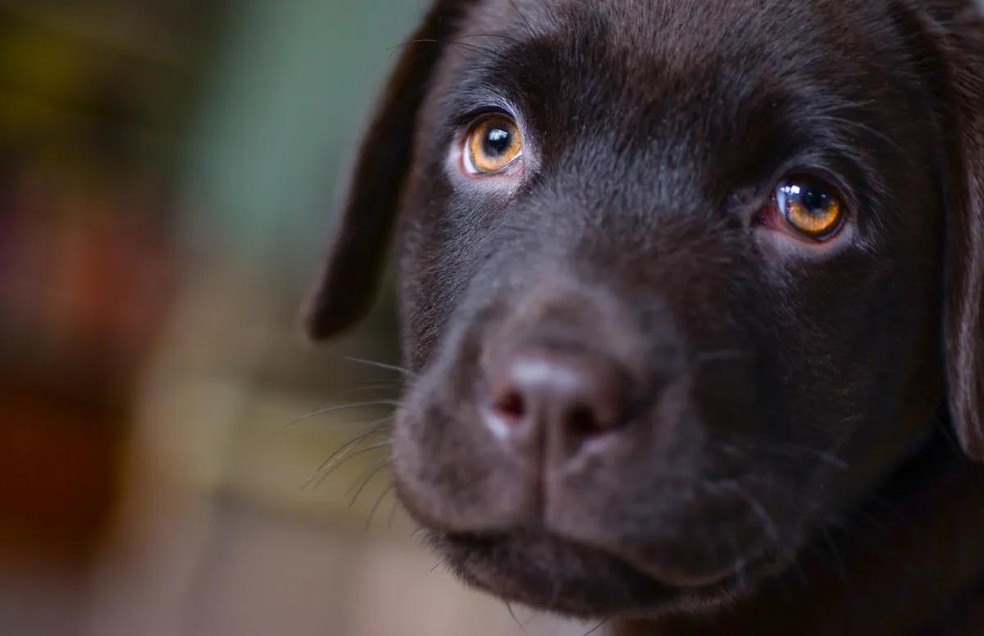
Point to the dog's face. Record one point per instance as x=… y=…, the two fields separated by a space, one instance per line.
x=676 y=280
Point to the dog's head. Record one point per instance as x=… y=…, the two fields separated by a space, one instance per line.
x=681 y=281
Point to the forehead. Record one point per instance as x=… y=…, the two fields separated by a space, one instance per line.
x=659 y=76
x=654 y=27
x=653 y=41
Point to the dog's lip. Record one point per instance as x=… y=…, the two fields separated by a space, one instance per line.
x=588 y=583
x=671 y=578
x=682 y=579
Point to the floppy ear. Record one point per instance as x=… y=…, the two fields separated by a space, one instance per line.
x=347 y=286
x=964 y=286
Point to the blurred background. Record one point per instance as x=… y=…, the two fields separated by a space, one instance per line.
x=167 y=169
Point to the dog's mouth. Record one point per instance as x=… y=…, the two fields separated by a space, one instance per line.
x=558 y=574
x=596 y=532
x=573 y=479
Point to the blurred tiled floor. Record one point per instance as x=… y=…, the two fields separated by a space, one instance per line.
x=233 y=571
x=218 y=537
x=38 y=599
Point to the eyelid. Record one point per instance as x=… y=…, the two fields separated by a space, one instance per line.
x=750 y=199
x=468 y=119
x=477 y=99
x=773 y=217
x=491 y=105
x=834 y=180
x=830 y=169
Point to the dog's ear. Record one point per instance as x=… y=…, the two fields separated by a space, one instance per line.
x=963 y=42
x=346 y=288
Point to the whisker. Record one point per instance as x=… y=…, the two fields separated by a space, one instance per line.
x=382 y=365
x=516 y=620
x=344 y=452
x=375 y=386
x=796 y=451
x=858 y=127
x=375 y=506
x=459 y=41
x=490 y=36
x=343 y=407
x=740 y=563
x=598 y=626
x=768 y=523
x=349 y=456
x=397 y=504
x=365 y=482
x=406 y=43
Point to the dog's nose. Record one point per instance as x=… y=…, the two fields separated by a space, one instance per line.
x=562 y=398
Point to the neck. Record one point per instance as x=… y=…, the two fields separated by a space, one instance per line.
x=912 y=560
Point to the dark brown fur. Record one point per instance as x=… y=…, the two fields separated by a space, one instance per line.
x=807 y=422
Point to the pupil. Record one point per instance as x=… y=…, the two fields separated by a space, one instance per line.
x=497 y=142
x=815 y=200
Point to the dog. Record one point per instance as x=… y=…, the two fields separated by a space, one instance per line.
x=692 y=294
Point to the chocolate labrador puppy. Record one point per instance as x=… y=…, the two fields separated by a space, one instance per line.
x=692 y=295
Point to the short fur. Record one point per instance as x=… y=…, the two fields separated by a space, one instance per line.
x=796 y=417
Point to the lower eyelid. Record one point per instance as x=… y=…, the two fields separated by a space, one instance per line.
x=466 y=166
x=517 y=165
x=780 y=247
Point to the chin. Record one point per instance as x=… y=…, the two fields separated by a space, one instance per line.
x=557 y=575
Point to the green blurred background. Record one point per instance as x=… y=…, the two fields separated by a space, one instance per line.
x=167 y=173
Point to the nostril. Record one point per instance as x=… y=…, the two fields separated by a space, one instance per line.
x=511 y=407
x=582 y=422
x=553 y=397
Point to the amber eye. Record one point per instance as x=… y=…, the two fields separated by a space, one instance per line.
x=492 y=145
x=810 y=206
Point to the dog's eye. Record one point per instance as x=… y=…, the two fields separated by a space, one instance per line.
x=492 y=145
x=810 y=207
